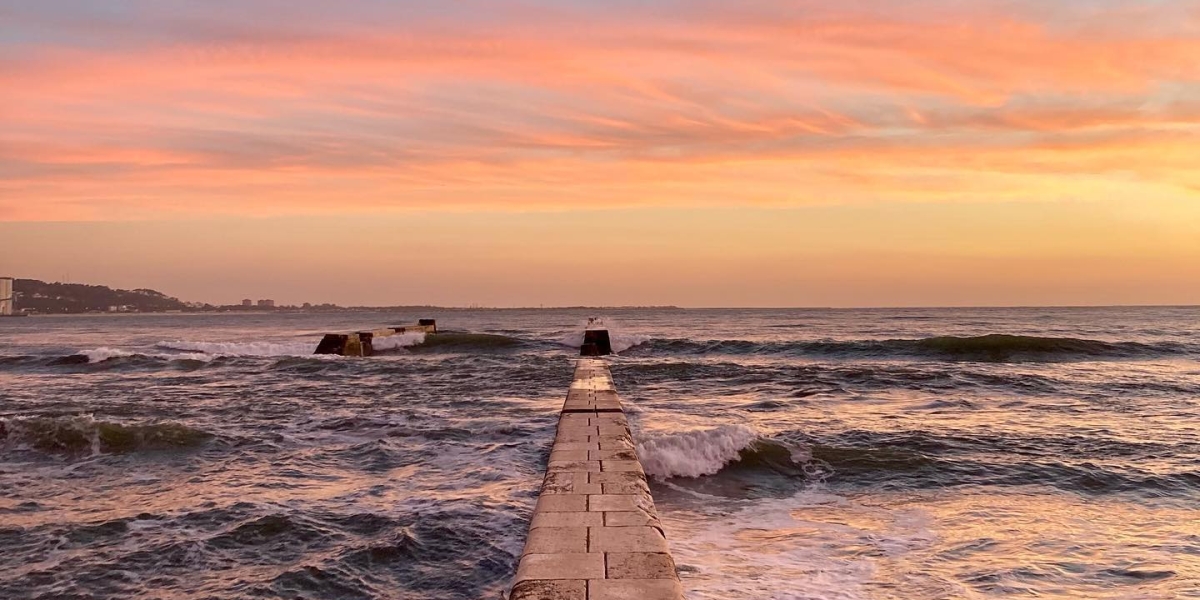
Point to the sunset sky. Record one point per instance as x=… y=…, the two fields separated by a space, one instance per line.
x=750 y=153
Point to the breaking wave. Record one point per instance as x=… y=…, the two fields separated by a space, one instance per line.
x=992 y=347
x=83 y=434
x=620 y=339
x=241 y=348
x=695 y=453
x=466 y=342
x=398 y=341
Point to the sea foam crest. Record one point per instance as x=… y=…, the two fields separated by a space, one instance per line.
x=98 y=355
x=400 y=340
x=694 y=453
x=620 y=339
x=241 y=348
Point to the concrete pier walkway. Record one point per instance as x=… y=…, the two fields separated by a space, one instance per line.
x=595 y=534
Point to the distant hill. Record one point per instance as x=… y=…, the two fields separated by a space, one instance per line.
x=57 y=298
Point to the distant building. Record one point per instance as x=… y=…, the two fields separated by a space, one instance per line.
x=247 y=302
x=7 y=301
x=266 y=304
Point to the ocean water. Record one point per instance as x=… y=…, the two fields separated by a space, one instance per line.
x=796 y=454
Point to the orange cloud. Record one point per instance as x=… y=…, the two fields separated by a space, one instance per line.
x=767 y=103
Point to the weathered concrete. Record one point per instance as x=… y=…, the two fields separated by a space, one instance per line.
x=595 y=534
x=362 y=343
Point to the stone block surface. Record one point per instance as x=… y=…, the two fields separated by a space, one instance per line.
x=640 y=565
x=557 y=540
x=635 y=589
x=626 y=539
x=561 y=566
x=549 y=589
x=566 y=519
x=561 y=503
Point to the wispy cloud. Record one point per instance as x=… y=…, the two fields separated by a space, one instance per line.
x=152 y=109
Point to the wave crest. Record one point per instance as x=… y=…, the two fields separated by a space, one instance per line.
x=210 y=349
x=991 y=347
x=83 y=434
x=695 y=453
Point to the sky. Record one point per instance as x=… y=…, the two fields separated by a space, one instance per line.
x=692 y=153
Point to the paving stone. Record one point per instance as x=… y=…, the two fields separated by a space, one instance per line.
x=576 y=446
x=573 y=465
x=611 y=429
x=543 y=589
x=634 y=518
x=612 y=439
x=621 y=443
x=616 y=477
x=640 y=565
x=557 y=540
x=617 y=503
x=580 y=429
x=626 y=539
x=622 y=454
x=563 y=482
x=582 y=438
x=567 y=455
x=561 y=566
x=638 y=486
x=635 y=589
x=621 y=465
x=566 y=519
x=561 y=503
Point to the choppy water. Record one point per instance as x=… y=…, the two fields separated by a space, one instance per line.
x=799 y=454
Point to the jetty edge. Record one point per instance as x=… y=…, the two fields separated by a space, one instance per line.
x=595 y=534
x=361 y=343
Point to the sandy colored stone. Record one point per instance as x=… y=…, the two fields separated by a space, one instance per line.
x=567 y=455
x=542 y=589
x=566 y=519
x=622 y=454
x=621 y=465
x=618 y=503
x=561 y=503
x=620 y=443
x=635 y=589
x=573 y=465
x=576 y=446
x=627 y=487
x=626 y=539
x=557 y=540
x=616 y=477
x=640 y=565
x=635 y=518
x=561 y=566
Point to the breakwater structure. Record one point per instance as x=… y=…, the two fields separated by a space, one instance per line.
x=595 y=534
x=361 y=343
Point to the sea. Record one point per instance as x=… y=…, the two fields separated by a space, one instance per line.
x=821 y=454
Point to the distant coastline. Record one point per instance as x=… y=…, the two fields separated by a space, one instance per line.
x=34 y=297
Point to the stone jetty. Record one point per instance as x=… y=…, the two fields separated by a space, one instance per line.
x=595 y=534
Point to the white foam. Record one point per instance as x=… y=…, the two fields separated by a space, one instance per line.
x=242 y=348
x=620 y=339
x=400 y=340
x=789 y=548
x=97 y=355
x=694 y=453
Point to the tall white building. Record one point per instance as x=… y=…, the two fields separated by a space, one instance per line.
x=6 y=296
